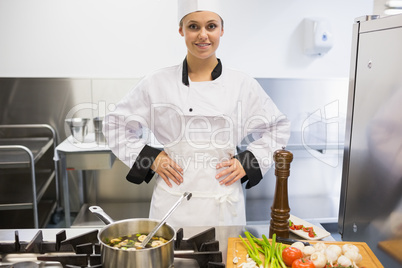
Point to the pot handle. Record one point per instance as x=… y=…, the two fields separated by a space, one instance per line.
x=98 y=211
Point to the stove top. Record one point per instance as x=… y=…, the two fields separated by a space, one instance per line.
x=83 y=250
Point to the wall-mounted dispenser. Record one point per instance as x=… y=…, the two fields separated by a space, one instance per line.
x=318 y=38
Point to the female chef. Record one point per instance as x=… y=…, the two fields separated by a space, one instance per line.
x=200 y=111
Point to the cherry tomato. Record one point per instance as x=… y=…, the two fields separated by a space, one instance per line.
x=299 y=227
x=291 y=225
x=311 y=233
x=303 y=263
x=290 y=254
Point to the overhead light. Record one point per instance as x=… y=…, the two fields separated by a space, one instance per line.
x=394 y=3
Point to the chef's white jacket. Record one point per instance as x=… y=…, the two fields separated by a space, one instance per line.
x=163 y=101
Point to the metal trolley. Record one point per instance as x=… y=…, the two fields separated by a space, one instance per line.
x=27 y=170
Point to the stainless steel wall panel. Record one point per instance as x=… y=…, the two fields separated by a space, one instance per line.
x=37 y=100
x=312 y=106
x=313 y=188
x=43 y=101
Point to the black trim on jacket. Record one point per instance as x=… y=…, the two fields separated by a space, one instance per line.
x=252 y=168
x=216 y=72
x=141 y=170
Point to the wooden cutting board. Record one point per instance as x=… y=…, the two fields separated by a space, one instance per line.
x=236 y=248
x=393 y=248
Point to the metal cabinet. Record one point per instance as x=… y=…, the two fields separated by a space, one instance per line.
x=28 y=176
x=371 y=194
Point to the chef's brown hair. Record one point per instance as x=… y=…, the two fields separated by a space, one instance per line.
x=181 y=21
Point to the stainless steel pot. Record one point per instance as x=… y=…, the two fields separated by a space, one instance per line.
x=158 y=257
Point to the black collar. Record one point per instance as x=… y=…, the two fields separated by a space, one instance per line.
x=215 y=73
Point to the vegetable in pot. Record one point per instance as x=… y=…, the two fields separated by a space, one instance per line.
x=133 y=242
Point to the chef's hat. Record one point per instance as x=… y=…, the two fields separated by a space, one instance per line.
x=188 y=6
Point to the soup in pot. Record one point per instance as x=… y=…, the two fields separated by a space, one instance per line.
x=133 y=242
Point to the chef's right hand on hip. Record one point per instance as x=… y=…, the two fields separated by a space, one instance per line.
x=167 y=169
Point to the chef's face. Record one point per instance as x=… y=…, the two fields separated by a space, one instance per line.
x=202 y=31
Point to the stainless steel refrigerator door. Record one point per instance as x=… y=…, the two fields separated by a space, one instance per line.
x=372 y=172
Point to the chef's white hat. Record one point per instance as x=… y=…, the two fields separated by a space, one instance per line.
x=188 y=6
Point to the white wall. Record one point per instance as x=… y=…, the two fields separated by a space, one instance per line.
x=129 y=38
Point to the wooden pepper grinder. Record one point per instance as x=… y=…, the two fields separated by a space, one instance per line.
x=280 y=208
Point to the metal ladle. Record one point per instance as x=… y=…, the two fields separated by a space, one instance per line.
x=153 y=232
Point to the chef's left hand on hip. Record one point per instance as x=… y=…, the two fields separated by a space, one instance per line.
x=233 y=171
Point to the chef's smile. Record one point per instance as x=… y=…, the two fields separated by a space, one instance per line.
x=203 y=45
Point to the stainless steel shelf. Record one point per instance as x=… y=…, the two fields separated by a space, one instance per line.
x=18 y=158
x=23 y=218
x=15 y=195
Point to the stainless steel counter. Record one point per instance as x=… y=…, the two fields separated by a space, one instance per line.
x=81 y=156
